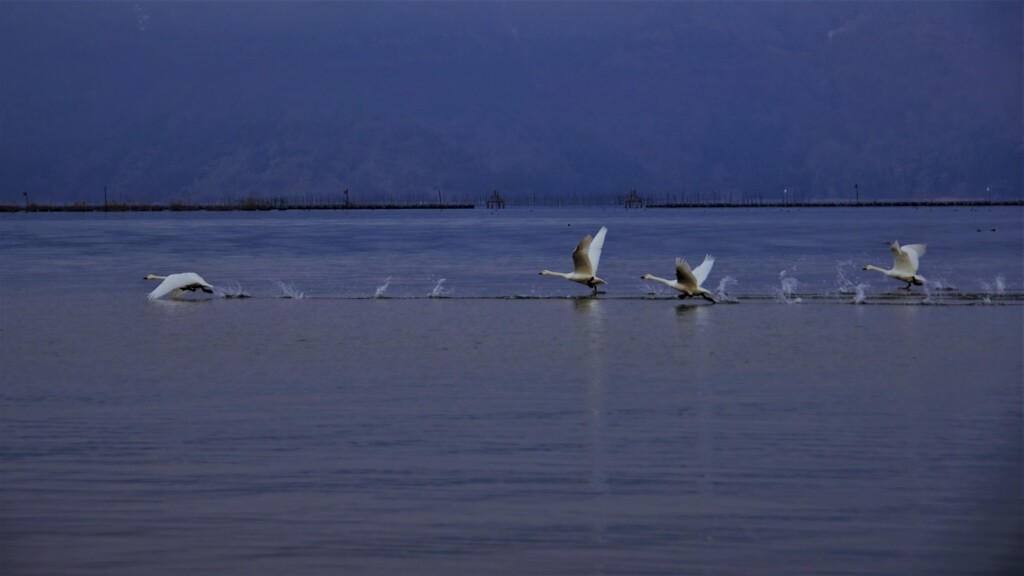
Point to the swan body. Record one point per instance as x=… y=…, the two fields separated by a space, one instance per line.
x=175 y=284
x=904 y=263
x=585 y=259
x=688 y=281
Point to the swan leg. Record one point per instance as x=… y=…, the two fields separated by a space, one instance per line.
x=909 y=284
x=207 y=290
x=709 y=298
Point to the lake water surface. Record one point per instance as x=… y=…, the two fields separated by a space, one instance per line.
x=509 y=426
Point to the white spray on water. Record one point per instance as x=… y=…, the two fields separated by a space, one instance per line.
x=439 y=291
x=787 y=289
x=860 y=293
x=719 y=291
x=932 y=288
x=843 y=284
x=234 y=291
x=995 y=288
x=382 y=288
x=289 y=291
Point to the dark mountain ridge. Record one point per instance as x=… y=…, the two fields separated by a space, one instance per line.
x=737 y=101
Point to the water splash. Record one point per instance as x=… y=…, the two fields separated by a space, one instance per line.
x=439 y=291
x=787 y=289
x=996 y=287
x=719 y=291
x=289 y=291
x=843 y=284
x=860 y=293
x=932 y=288
x=234 y=291
x=379 y=293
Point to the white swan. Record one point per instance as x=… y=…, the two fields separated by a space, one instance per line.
x=585 y=259
x=175 y=284
x=904 y=263
x=688 y=281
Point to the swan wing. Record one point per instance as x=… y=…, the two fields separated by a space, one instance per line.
x=684 y=275
x=701 y=272
x=175 y=283
x=166 y=287
x=904 y=259
x=581 y=257
x=918 y=248
x=595 y=249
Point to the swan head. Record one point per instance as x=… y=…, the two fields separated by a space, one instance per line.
x=152 y=277
x=645 y=277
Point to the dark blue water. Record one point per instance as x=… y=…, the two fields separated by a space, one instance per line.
x=330 y=254
x=627 y=434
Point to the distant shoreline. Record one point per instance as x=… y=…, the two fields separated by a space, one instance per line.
x=342 y=207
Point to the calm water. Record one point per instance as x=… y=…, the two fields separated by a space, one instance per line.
x=482 y=434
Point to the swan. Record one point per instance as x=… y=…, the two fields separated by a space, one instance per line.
x=175 y=284
x=585 y=259
x=904 y=263
x=688 y=281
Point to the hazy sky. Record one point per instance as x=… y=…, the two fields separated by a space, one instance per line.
x=210 y=101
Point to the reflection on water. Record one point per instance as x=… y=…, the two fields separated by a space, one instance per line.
x=591 y=328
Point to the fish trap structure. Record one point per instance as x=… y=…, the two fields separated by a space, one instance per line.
x=495 y=201
x=634 y=200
